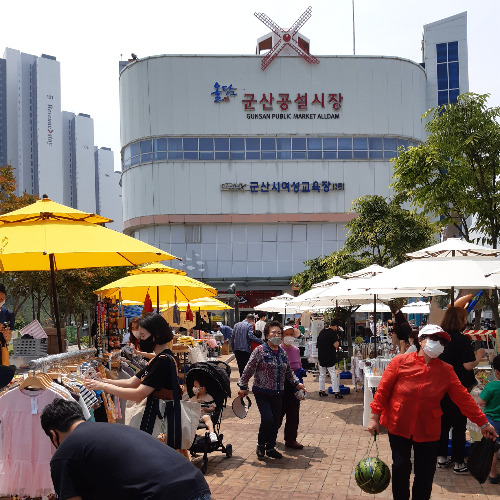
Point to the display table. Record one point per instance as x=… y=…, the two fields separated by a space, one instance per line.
x=370 y=384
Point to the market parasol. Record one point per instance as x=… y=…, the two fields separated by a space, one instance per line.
x=48 y=236
x=171 y=286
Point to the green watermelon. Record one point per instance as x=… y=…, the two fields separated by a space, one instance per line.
x=372 y=475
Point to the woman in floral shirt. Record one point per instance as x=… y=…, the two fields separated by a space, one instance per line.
x=269 y=366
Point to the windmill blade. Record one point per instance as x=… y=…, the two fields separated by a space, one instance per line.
x=266 y=61
x=269 y=23
x=308 y=57
x=300 y=21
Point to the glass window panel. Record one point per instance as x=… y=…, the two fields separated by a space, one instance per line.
x=253 y=144
x=402 y=142
x=442 y=76
x=146 y=157
x=221 y=143
x=375 y=143
x=268 y=143
x=314 y=155
x=298 y=155
x=360 y=143
x=269 y=155
x=126 y=153
x=190 y=144
x=174 y=144
x=161 y=155
x=190 y=155
x=284 y=143
x=376 y=155
x=360 y=155
x=206 y=144
x=453 y=75
x=412 y=144
x=237 y=144
x=135 y=160
x=147 y=146
x=330 y=144
x=454 y=95
x=330 y=155
x=127 y=163
x=388 y=155
x=345 y=155
x=345 y=143
x=389 y=144
x=442 y=97
x=453 y=51
x=159 y=144
x=175 y=155
x=135 y=149
x=253 y=155
x=284 y=155
x=222 y=155
x=240 y=155
x=314 y=143
x=298 y=143
x=206 y=155
x=441 y=53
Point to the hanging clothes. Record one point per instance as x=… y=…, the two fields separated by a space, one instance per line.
x=25 y=450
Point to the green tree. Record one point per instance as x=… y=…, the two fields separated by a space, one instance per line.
x=383 y=232
x=453 y=175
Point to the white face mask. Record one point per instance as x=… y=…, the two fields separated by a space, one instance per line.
x=275 y=340
x=196 y=390
x=288 y=340
x=136 y=334
x=433 y=348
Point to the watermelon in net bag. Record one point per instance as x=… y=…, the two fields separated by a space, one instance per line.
x=372 y=474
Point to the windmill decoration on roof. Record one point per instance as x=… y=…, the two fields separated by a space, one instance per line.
x=286 y=37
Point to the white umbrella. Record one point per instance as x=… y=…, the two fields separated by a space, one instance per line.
x=330 y=281
x=278 y=304
x=418 y=307
x=368 y=308
x=367 y=272
x=439 y=272
x=454 y=247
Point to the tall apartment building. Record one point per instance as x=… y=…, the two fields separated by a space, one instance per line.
x=52 y=151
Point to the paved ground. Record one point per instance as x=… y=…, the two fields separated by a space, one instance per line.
x=334 y=439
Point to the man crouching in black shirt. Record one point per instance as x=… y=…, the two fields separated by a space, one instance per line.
x=96 y=460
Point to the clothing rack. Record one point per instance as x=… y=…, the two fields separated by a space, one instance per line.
x=63 y=358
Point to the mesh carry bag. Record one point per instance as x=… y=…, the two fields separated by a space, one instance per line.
x=372 y=474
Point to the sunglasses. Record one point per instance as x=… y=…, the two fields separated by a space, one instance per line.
x=435 y=337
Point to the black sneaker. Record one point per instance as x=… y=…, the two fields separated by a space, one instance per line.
x=274 y=453
x=460 y=469
x=445 y=463
x=261 y=452
x=323 y=393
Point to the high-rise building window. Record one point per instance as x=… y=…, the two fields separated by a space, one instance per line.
x=447 y=72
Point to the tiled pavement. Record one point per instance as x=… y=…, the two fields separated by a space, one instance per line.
x=334 y=442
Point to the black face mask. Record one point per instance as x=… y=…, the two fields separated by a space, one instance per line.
x=147 y=345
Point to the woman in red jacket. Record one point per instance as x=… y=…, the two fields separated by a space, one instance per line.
x=407 y=402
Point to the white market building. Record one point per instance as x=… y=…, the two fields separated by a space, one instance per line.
x=246 y=173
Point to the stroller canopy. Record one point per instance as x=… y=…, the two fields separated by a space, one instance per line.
x=216 y=376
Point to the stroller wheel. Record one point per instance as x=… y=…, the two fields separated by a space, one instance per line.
x=229 y=451
x=203 y=467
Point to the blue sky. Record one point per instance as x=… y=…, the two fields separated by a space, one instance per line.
x=90 y=38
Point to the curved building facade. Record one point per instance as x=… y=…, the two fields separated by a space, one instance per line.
x=245 y=174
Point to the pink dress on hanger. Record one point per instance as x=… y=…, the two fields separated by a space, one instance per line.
x=25 y=449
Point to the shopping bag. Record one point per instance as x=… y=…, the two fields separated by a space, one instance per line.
x=134 y=413
x=480 y=458
x=177 y=423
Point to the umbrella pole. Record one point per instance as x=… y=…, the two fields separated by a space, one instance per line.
x=452 y=299
x=54 y=298
x=157 y=300
x=375 y=322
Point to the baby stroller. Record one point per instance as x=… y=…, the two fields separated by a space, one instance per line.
x=216 y=374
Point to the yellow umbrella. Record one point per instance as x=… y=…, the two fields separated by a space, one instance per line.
x=48 y=236
x=170 y=286
x=156 y=268
x=203 y=304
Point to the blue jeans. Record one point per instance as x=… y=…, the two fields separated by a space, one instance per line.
x=206 y=496
x=270 y=418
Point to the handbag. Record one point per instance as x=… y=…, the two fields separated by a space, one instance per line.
x=171 y=420
x=480 y=458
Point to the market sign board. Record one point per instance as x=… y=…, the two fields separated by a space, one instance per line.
x=281 y=187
